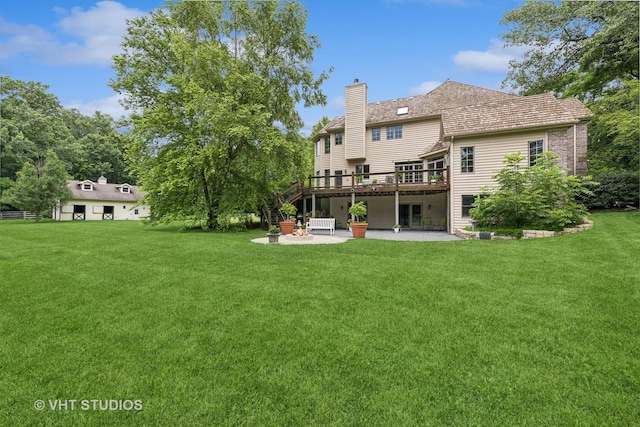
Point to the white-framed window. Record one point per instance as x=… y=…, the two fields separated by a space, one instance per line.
x=318 y=148
x=394 y=132
x=375 y=134
x=436 y=167
x=466 y=159
x=327 y=145
x=410 y=172
x=125 y=190
x=87 y=186
x=364 y=170
x=338 y=138
x=536 y=149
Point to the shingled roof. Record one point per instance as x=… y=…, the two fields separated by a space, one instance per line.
x=450 y=94
x=109 y=192
x=520 y=112
x=466 y=109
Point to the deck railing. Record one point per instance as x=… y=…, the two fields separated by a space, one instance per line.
x=429 y=178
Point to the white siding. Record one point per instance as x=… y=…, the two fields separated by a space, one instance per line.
x=355 y=119
x=489 y=152
x=94 y=209
x=417 y=137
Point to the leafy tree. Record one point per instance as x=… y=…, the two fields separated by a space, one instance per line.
x=31 y=123
x=541 y=196
x=101 y=147
x=587 y=49
x=576 y=48
x=212 y=87
x=39 y=186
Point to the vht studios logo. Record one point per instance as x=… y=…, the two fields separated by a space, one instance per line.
x=88 y=405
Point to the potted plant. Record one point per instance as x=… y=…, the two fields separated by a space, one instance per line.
x=287 y=225
x=273 y=234
x=358 y=226
x=396 y=228
x=434 y=178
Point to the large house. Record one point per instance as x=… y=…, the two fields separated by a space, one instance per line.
x=419 y=161
x=102 y=201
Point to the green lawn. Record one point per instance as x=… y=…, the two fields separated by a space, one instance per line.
x=211 y=329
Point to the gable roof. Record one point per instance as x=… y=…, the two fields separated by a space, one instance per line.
x=450 y=94
x=109 y=192
x=520 y=112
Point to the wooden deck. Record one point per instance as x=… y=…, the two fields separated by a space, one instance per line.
x=378 y=184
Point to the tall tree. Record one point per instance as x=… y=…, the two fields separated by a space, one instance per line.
x=31 y=123
x=39 y=186
x=101 y=147
x=587 y=49
x=213 y=89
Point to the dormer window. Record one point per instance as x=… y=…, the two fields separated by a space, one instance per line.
x=125 y=190
x=86 y=186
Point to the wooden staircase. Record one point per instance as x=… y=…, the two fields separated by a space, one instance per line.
x=273 y=215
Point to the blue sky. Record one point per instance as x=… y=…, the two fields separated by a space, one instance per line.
x=398 y=47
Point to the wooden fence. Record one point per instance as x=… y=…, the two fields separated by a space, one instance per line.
x=17 y=215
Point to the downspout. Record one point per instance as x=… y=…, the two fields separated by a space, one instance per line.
x=450 y=192
x=575 y=150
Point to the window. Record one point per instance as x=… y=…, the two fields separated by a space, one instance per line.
x=535 y=151
x=318 y=148
x=327 y=178
x=87 y=187
x=327 y=145
x=436 y=167
x=362 y=169
x=467 y=202
x=125 y=190
x=338 y=138
x=375 y=134
x=394 y=132
x=403 y=110
x=466 y=159
x=410 y=172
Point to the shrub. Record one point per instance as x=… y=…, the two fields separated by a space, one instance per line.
x=358 y=210
x=541 y=196
x=617 y=189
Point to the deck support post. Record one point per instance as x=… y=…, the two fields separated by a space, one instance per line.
x=353 y=202
x=313 y=205
x=397 y=205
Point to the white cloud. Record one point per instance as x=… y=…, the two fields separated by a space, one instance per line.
x=95 y=35
x=424 y=87
x=109 y=105
x=495 y=59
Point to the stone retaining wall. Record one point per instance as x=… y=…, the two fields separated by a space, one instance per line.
x=526 y=234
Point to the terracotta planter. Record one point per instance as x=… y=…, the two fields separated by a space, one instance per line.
x=286 y=227
x=359 y=229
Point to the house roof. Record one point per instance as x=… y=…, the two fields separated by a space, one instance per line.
x=450 y=94
x=105 y=192
x=519 y=112
x=466 y=109
x=437 y=148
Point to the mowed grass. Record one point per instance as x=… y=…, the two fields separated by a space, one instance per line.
x=212 y=329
